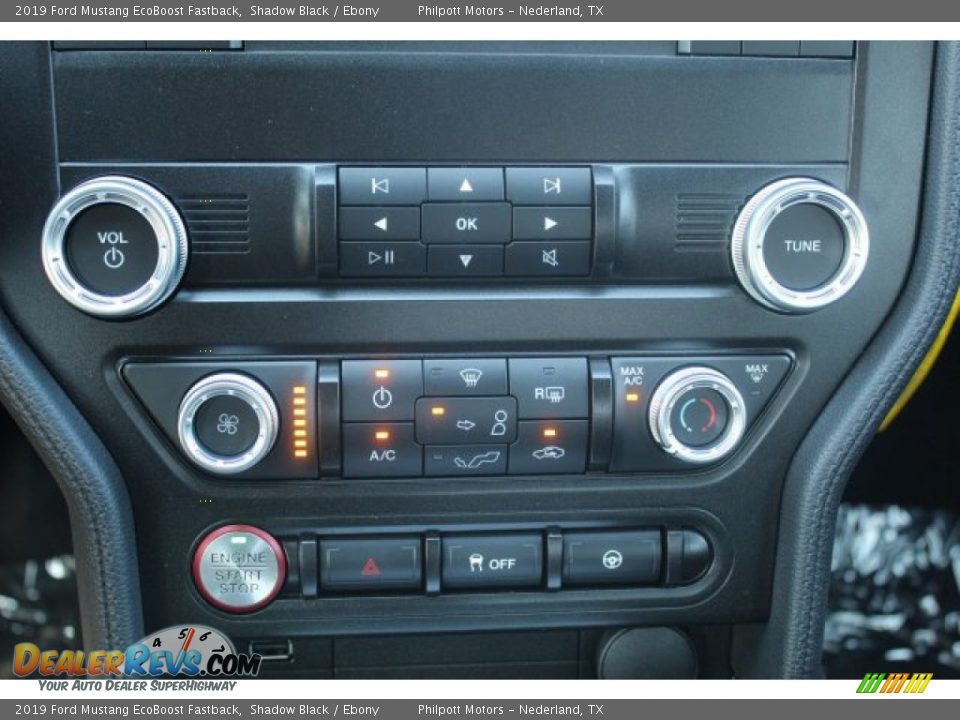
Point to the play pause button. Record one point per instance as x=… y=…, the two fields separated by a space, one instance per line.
x=382 y=259
x=465 y=260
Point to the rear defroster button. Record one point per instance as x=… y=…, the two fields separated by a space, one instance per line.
x=239 y=568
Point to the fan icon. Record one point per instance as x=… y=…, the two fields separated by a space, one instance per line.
x=227 y=424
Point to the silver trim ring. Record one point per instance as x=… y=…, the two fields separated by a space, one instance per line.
x=749 y=234
x=248 y=390
x=167 y=226
x=665 y=398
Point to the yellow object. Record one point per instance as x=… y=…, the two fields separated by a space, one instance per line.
x=926 y=364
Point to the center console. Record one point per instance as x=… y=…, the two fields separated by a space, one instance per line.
x=419 y=341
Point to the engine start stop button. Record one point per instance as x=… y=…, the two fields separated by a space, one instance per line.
x=239 y=568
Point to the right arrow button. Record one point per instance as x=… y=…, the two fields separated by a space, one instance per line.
x=552 y=223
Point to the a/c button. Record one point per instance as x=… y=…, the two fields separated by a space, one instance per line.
x=380 y=450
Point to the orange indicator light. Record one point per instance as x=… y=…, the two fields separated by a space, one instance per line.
x=300 y=442
x=382 y=435
x=437 y=410
x=381 y=374
x=632 y=397
x=549 y=432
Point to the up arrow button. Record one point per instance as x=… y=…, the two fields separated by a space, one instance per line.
x=453 y=184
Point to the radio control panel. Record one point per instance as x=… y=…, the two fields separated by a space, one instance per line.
x=448 y=417
x=465 y=221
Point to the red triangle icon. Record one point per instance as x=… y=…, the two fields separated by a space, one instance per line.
x=370 y=567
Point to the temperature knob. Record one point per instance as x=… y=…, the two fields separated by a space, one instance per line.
x=227 y=423
x=114 y=247
x=697 y=415
x=799 y=245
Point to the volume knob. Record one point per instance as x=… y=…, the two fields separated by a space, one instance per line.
x=114 y=247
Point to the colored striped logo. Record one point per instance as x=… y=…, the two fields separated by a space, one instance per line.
x=894 y=683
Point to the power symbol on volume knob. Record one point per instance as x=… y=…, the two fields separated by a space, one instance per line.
x=113 y=258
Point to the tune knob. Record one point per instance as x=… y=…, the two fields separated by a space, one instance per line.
x=227 y=423
x=114 y=247
x=697 y=415
x=799 y=244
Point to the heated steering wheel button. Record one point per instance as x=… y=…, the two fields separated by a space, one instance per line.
x=226 y=425
x=611 y=558
x=112 y=249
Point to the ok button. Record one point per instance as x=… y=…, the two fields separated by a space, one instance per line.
x=466 y=222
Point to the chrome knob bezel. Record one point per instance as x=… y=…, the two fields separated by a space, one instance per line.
x=665 y=398
x=159 y=212
x=245 y=388
x=749 y=235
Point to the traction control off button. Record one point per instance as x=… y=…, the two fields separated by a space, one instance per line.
x=480 y=561
x=239 y=568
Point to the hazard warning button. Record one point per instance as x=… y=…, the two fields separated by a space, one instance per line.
x=358 y=564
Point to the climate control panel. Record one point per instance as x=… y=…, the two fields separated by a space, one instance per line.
x=451 y=417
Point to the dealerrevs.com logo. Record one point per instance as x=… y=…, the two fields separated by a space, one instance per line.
x=184 y=651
